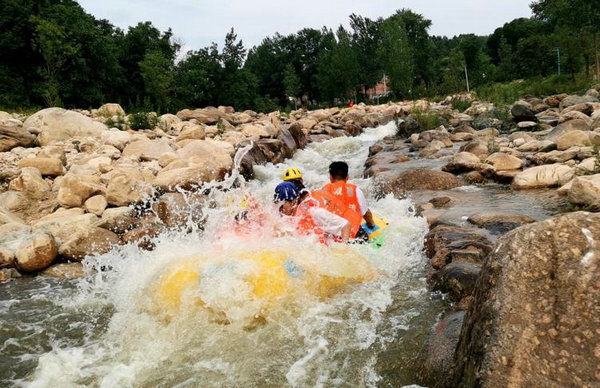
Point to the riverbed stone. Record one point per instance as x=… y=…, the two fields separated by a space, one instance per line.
x=420 y=179
x=37 y=252
x=501 y=161
x=57 y=124
x=96 y=205
x=76 y=189
x=47 y=166
x=12 y=136
x=65 y=271
x=585 y=191
x=575 y=138
x=536 y=310
x=88 y=241
x=543 y=176
x=499 y=223
x=457 y=280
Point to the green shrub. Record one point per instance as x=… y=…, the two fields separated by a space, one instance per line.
x=427 y=120
x=461 y=106
x=143 y=120
x=120 y=123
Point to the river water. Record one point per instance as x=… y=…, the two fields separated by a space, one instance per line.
x=99 y=330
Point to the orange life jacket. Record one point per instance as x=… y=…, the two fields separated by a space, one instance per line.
x=331 y=203
x=345 y=193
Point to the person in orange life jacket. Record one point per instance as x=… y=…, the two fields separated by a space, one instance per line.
x=351 y=195
x=311 y=214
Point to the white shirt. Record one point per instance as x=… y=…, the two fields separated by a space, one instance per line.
x=362 y=201
x=327 y=221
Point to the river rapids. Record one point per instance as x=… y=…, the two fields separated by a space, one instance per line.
x=99 y=330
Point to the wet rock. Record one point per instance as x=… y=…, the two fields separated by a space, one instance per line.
x=65 y=271
x=12 y=136
x=46 y=166
x=421 y=179
x=457 y=280
x=554 y=156
x=88 y=241
x=543 y=176
x=476 y=147
x=37 y=252
x=177 y=210
x=441 y=202
x=440 y=346
x=466 y=161
x=64 y=223
x=443 y=239
x=57 y=124
x=474 y=178
x=499 y=223
x=536 y=309
x=142 y=236
x=30 y=183
x=298 y=134
x=585 y=191
x=118 y=220
x=7 y=274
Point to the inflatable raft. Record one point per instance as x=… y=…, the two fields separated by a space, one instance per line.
x=266 y=277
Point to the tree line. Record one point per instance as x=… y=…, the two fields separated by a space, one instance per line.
x=56 y=54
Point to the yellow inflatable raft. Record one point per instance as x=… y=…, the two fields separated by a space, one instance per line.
x=266 y=277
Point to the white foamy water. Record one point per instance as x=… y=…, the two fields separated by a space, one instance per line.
x=106 y=330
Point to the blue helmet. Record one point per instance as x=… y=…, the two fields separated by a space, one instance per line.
x=286 y=191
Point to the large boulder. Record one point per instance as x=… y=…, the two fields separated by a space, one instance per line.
x=585 y=191
x=200 y=161
x=115 y=138
x=298 y=135
x=127 y=186
x=567 y=126
x=57 y=124
x=543 y=176
x=536 y=310
x=64 y=223
x=522 y=111
x=37 y=252
x=12 y=136
x=575 y=100
x=76 y=189
x=501 y=161
x=46 y=166
x=499 y=223
x=466 y=161
x=140 y=147
x=88 y=241
x=110 y=110
x=208 y=115
x=420 y=179
x=575 y=138
x=30 y=183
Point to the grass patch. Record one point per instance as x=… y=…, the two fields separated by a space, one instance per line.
x=427 y=120
x=507 y=93
x=461 y=106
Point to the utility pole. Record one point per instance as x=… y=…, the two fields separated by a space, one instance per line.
x=467 y=78
x=558 y=59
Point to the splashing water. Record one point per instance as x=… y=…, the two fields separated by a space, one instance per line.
x=105 y=330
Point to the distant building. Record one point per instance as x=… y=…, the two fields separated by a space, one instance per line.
x=379 y=90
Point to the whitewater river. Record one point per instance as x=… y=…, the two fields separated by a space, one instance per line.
x=103 y=331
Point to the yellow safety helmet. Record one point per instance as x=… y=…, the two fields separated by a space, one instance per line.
x=291 y=173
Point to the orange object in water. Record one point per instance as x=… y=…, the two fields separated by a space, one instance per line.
x=329 y=202
x=351 y=104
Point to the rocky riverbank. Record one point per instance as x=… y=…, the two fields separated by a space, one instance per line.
x=73 y=186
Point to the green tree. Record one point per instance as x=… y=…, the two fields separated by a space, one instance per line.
x=157 y=73
x=58 y=53
x=395 y=54
x=291 y=82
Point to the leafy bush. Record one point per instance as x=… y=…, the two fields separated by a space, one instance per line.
x=143 y=120
x=461 y=106
x=120 y=123
x=427 y=120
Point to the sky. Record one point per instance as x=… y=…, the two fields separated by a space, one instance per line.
x=197 y=23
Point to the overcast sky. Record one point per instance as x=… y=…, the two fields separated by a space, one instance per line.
x=197 y=23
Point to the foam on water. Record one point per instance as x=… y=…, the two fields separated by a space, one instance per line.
x=305 y=341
